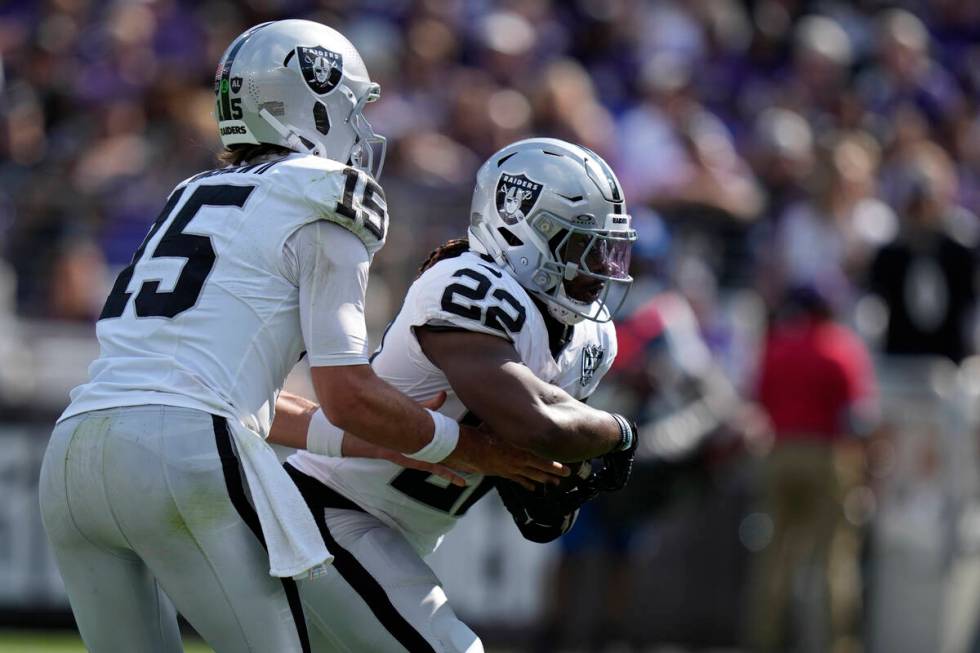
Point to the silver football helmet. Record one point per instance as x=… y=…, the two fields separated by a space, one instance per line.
x=300 y=85
x=553 y=213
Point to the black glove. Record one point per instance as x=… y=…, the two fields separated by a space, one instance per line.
x=549 y=511
x=617 y=465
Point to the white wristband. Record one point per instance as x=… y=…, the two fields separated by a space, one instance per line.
x=443 y=442
x=322 y=437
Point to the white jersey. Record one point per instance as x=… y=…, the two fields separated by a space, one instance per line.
x=472 y=293
x=245 y=269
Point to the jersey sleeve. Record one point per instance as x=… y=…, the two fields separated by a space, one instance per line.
x=332 y=192
x=350 y=198
x=468 y=294
x=330 y=267
x=461 y=293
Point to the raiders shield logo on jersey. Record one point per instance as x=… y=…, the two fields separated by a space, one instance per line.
x=516 y=196
x=322 y=69
x=592 y=356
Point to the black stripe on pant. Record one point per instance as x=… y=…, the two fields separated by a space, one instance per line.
x=318 y=497
x=236 y=491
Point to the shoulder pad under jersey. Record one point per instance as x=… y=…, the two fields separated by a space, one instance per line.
x=470 y=293
x=338 y=193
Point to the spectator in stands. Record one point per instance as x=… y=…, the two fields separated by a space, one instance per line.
x=822 y=55
x=79 y=281
x=827 y=239
x=904 y=73
x=926 y=277
x=676 y=152
x=567 y=107
x=782 y=156
x=817 y=385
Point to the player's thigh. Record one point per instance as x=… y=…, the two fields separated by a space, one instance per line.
x=220 y=583
x=117 y=603
x=200 y=546
x=380 y=596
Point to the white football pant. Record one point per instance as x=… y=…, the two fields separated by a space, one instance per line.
x=380 y=596
x=146 y=509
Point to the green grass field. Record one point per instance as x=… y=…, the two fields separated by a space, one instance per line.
x=41 y=642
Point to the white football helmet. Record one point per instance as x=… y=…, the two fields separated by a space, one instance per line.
x=553 y=213
x=300 y=85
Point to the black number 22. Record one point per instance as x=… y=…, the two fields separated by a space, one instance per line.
x=495 y=317
x=197 y=249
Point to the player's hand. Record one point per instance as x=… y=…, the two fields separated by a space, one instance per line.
x=617 y=466
x=355 y=447
x=483 y=452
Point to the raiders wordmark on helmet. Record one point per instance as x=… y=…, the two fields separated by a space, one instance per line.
x=516 y=196
x=322 y=68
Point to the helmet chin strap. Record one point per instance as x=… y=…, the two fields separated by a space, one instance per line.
x=478 y=245
x=561 y=313
x=293 y=140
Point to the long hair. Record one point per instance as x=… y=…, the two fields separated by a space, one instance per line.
x=449 y=249
x=236 y=155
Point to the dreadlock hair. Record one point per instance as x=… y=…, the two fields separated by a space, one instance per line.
x=236 y=155
x=449 y=249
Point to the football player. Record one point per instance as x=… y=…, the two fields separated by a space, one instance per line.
x=514 y=324
x=247 y=268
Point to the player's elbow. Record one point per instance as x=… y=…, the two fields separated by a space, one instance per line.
x=342 y=410
x=344 y=394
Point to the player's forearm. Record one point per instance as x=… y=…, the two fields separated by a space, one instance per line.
x=356 y=400
x=578 y=432
x=543 y=418
x=559 y=426
x=292 y=421
x=516 y=405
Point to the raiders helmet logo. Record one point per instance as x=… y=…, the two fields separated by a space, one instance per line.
x=516 y=196
x=236 y=84
x=322 y=69
x=592 y=357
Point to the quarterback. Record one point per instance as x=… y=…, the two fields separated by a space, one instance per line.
x=158 y=491
x=514 y=324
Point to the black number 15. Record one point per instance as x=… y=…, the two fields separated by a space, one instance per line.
x=197 y=249
x=374 y=213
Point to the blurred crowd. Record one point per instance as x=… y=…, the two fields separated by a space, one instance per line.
x=784 y=160
x=762 y=145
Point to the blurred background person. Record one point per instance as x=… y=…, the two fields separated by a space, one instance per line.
x=926 y=277
x=817 y=386
x=826 y=240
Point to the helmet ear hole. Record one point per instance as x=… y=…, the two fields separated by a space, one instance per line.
x=509 y=236
x=320 y=117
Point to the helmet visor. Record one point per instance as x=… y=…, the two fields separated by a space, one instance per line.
x=602 y=255
x=594 y=269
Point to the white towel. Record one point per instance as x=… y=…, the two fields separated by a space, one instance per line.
x=296 y=548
